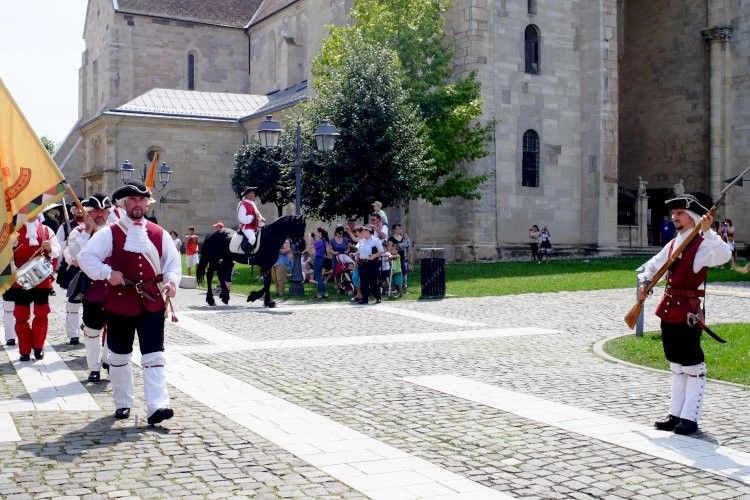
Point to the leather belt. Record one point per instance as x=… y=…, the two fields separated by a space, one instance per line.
x=676 y=292
x=141 y=285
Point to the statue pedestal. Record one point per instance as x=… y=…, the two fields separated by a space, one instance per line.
x=188 y=282
x=642 y=214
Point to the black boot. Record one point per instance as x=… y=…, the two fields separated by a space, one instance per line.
x=686 y=427
x=669 y=424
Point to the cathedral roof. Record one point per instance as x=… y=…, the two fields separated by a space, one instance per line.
x=170 y=103
x=192 y=104
x=268 y=8
x=235 y=13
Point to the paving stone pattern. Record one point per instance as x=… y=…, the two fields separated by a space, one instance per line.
x=201 y=454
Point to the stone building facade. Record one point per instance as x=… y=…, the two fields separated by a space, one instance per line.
x=588 y=96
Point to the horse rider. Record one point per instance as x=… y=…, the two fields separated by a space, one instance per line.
x=97 y=212
x=249 y=217
x=141 y=265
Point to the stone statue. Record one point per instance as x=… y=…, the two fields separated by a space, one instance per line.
x=679 y=188
x=642 y=187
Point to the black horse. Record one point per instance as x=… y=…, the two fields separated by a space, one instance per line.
x=215 y=253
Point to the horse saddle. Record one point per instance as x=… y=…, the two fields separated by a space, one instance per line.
x=239 y=244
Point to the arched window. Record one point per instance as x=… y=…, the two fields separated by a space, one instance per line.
x=530 y=161
x=191 y=72
x=531 y=49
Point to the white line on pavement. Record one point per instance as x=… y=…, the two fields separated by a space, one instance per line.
x=51 y=385
x=222 y=341
x=685 y=450
x=381 y=307
x=367 y=465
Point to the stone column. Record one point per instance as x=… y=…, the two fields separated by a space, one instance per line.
x=642 y=214
x=718 y=38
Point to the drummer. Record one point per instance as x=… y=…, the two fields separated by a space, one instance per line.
x=34 y=239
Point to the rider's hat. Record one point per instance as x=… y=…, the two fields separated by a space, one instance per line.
x=248 y=189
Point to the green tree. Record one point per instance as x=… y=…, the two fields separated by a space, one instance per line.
x=381 y=152
x=48 y=144
x=450 y=107
x=271 y=171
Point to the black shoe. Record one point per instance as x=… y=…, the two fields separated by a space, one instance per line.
x=160 y=415
x=10 y=342
x=74 y=341
x=354 y=300
x=24 y=357
x=669 y=424
x=39 y=353
x=94 y=377
x=106 y=366
x=122 y=413
x=686 y=427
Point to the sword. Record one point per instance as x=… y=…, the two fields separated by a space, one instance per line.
x=697 y=320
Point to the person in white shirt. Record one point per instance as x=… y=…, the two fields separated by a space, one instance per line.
x=681 y=341
x=141 y=264
x=369 y=251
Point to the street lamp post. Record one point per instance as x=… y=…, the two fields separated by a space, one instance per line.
x=164 y=174
x=325 y=135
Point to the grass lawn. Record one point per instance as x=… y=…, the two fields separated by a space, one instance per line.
x=729 y=362
x=510 y=278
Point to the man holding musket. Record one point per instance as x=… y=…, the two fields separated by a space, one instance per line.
x=681 y=303
x=141 y=265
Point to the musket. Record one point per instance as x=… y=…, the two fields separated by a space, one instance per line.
x=632 y=316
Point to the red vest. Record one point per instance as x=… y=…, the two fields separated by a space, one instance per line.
x=124 y=300
x=23 y=251
x=250 y=209
x=681 y=295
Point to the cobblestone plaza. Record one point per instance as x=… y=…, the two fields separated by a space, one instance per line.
x=494 y=397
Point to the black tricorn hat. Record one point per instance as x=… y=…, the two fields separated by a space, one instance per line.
x=132 y=188
x=687 y=202
x=97 y=200
x=248 y=189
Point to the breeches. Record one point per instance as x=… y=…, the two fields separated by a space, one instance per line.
x=93 y=315
x=121 y=332
x=682 y=343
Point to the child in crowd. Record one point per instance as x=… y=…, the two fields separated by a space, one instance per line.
x=307 y=267
x=397 y=279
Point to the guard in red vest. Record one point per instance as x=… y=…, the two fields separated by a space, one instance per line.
x=681 y=339
x=34 y=239
x=249 y=216
x=142 y=266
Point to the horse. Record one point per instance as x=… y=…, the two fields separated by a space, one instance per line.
x=215 y=255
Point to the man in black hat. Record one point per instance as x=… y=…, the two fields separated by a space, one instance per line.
x=681 y=341
x=84 y=290
x=141 y=265
x=249 y=217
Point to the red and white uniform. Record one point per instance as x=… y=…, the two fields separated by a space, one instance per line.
x=249 y=218
x=30 y=239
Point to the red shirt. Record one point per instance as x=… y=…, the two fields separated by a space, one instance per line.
x=191 y=244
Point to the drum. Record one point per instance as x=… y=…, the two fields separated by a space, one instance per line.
x=34 y=272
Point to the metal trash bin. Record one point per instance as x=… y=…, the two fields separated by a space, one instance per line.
x=432 y=275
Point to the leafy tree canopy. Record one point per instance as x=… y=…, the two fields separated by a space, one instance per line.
x=381 y=153
x=48 y=144
x=271 y=171
x=450 y=107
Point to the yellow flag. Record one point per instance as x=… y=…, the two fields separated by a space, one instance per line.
x=152 y=171
x=30 y=178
